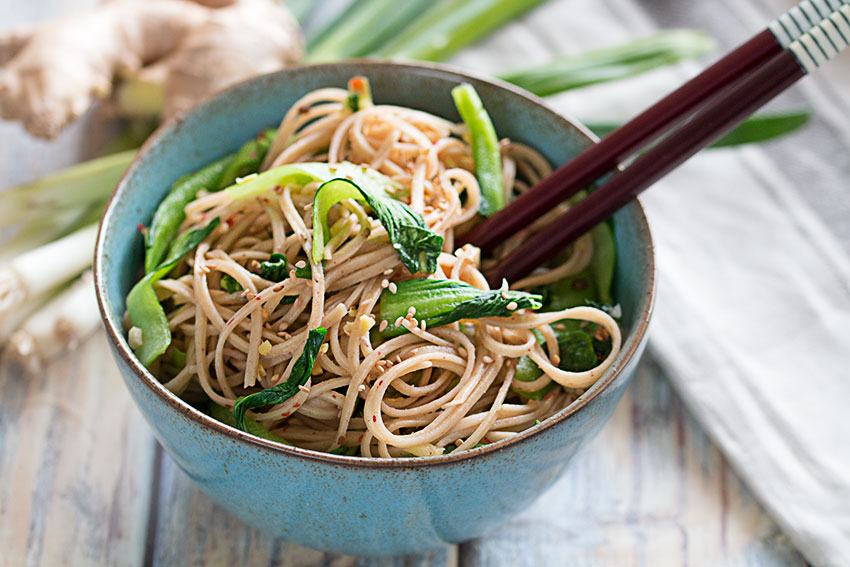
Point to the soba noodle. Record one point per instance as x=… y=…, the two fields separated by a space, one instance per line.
x=420 y=393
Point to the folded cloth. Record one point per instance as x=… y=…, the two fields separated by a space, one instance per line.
x=753 y=313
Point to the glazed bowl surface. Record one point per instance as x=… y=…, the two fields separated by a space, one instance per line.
x=348 y=504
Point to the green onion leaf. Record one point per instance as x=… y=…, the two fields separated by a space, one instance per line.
x=440 y=302
x=143 y=307
x=485 y=148
x=450 y=25
x=753 y=130
x=224 y=415
x=363 y=27
x=612 y=64
x=281 y=392
x=274 y=269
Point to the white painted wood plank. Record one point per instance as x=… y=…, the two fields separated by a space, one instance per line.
x=75 y=464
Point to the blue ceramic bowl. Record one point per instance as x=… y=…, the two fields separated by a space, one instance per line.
x=348 y=504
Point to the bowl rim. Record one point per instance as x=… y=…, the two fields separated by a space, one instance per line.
x=116 y=336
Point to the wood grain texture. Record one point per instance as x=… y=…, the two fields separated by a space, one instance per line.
x=82 y=482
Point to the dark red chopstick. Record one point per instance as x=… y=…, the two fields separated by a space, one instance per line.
x=624 y=142
x=710 y=123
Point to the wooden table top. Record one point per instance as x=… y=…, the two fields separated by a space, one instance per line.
x=83 y=482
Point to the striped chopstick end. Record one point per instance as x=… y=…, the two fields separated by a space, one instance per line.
x=788 y=27
x=823 y=41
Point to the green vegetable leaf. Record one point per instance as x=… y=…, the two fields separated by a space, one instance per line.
x=281 y=392
x=417 y=246
x=229 y=284
x=221 y=173
x=485 y=147
x=225 y=416
x=440 y=302
x=274 y=269
x=143 y=307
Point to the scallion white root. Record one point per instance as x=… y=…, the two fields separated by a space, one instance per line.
x=58 y=325
x=46 y=267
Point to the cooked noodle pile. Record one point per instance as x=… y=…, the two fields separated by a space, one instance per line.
x=420 y=393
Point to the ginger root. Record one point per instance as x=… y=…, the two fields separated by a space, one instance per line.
x=168 y=53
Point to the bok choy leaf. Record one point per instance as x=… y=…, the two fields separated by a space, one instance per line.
x=441 y=302
x=281 y=392
x=143 y=307
x=415 y=243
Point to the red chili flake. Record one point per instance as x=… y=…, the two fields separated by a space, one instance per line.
x=285 y=415
x=141 y=227
x=356 y=83
x=203 y=216
x=549 y=395
x=341 y=439
x=374 y=419
x=380 y=382
x=295 y=405
x=258 y=298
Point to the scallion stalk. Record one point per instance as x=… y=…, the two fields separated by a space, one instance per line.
x=46 y=267
x=363 y=28
x=76 y=187
x=611 y=64
x=451 y=25
x=58 y=325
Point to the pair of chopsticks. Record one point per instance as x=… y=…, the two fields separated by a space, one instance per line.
x=713 y=103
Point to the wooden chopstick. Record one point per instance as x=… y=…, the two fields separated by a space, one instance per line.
x=647 y=127
x=822 y=42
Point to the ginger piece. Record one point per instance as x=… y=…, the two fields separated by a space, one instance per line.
x=179 y=50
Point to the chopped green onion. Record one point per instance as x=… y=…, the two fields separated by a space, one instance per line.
x=274 y=269
x=359 y=94
x=485 y=148
x=229 y=284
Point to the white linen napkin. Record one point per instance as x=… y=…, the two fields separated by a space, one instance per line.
x=753 y=313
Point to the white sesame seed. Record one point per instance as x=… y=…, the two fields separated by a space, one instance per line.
x=304 y=388
x=393 y=288
x=388 y=272
x=422 y=324
x=300 y=264
x=383 y=326
x=487 y=359
x=512 y=306
x=385 y=283
x=398 y=321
